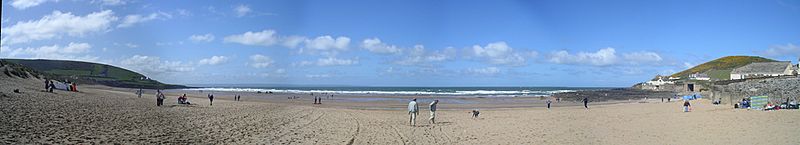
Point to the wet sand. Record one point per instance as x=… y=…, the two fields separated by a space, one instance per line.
x=106 y=115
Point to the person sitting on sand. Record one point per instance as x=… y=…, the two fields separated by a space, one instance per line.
x=475 y=113
x=770 y=106
x=686 y=106
x=183 y=100
x=52 y=86
x=433 y=111
x=413 y=111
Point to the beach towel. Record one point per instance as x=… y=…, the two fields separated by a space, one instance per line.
x=758 y=102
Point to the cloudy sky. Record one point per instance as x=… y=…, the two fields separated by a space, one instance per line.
x=401 y=43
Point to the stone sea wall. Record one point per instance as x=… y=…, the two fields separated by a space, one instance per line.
x=775 y=88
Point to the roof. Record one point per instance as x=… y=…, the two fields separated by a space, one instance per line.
x=763 y=68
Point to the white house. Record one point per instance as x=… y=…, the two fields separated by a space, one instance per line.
x=762 y=69
x=699 y=76
x=659 y=81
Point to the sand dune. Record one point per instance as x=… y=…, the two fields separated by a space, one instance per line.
x=105 y=115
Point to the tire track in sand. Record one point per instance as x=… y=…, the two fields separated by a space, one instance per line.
x=296 y=128
x=358 y=129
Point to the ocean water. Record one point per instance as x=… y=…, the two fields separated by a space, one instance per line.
x=403 y=91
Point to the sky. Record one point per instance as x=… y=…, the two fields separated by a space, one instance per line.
x=579 y=43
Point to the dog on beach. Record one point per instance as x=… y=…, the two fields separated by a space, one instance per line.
x=475 y=113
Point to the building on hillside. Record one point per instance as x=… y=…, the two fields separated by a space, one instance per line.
x=762 y=69
x=699 y=76
x=659 y=81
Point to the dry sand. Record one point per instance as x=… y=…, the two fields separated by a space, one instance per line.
x=106 y=115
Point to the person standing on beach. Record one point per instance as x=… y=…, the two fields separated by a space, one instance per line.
x=210 y=100
x=548 y=104
x=139 y=93
x=413 y=111
x=433 y=111
x=159 y=98
x=46 y=85
x=586 y=102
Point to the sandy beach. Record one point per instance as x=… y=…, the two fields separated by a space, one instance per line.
x=104 y=115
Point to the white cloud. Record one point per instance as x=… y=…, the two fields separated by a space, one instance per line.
x=131 y=45
x=152 y=65
x=24 y=4
x=110 y=2
x=293 y=41
x=642 y=57
x=330 y=61
x=420 y=57
x=315 y=76
x=73 y=51
x=260 y=61
x=498 y=53
x=602 y=57
x=131 y=20
x=783 y=50
x=375 y=45
x=242 y=10
x=214 y=60
x=57 y=24
x=605 y=57
x=490 y=71
x=275 y=73
x=328 y=43
x=263 y=38
x=202 y=38
x=325 y=45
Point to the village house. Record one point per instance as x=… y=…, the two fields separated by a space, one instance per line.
x=763 y=69
x=700 y=76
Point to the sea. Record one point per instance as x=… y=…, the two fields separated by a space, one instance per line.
x=400 y=91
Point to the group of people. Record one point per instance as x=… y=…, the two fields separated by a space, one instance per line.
x=413 y=111
x=184 y=100
x=68 y=86
x=317 y=100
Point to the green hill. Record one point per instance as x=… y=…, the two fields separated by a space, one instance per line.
x=91 y=73
x=721 y=68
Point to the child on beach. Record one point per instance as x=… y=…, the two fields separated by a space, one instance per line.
x=548 y=104
x=686 y=106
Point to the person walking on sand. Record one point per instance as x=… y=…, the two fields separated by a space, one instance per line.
x=548 y=103
x=210 y=100
x=413 y=111
x=586 y=102
x=433 y=111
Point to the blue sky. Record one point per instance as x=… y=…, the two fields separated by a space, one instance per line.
x=401 y=43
